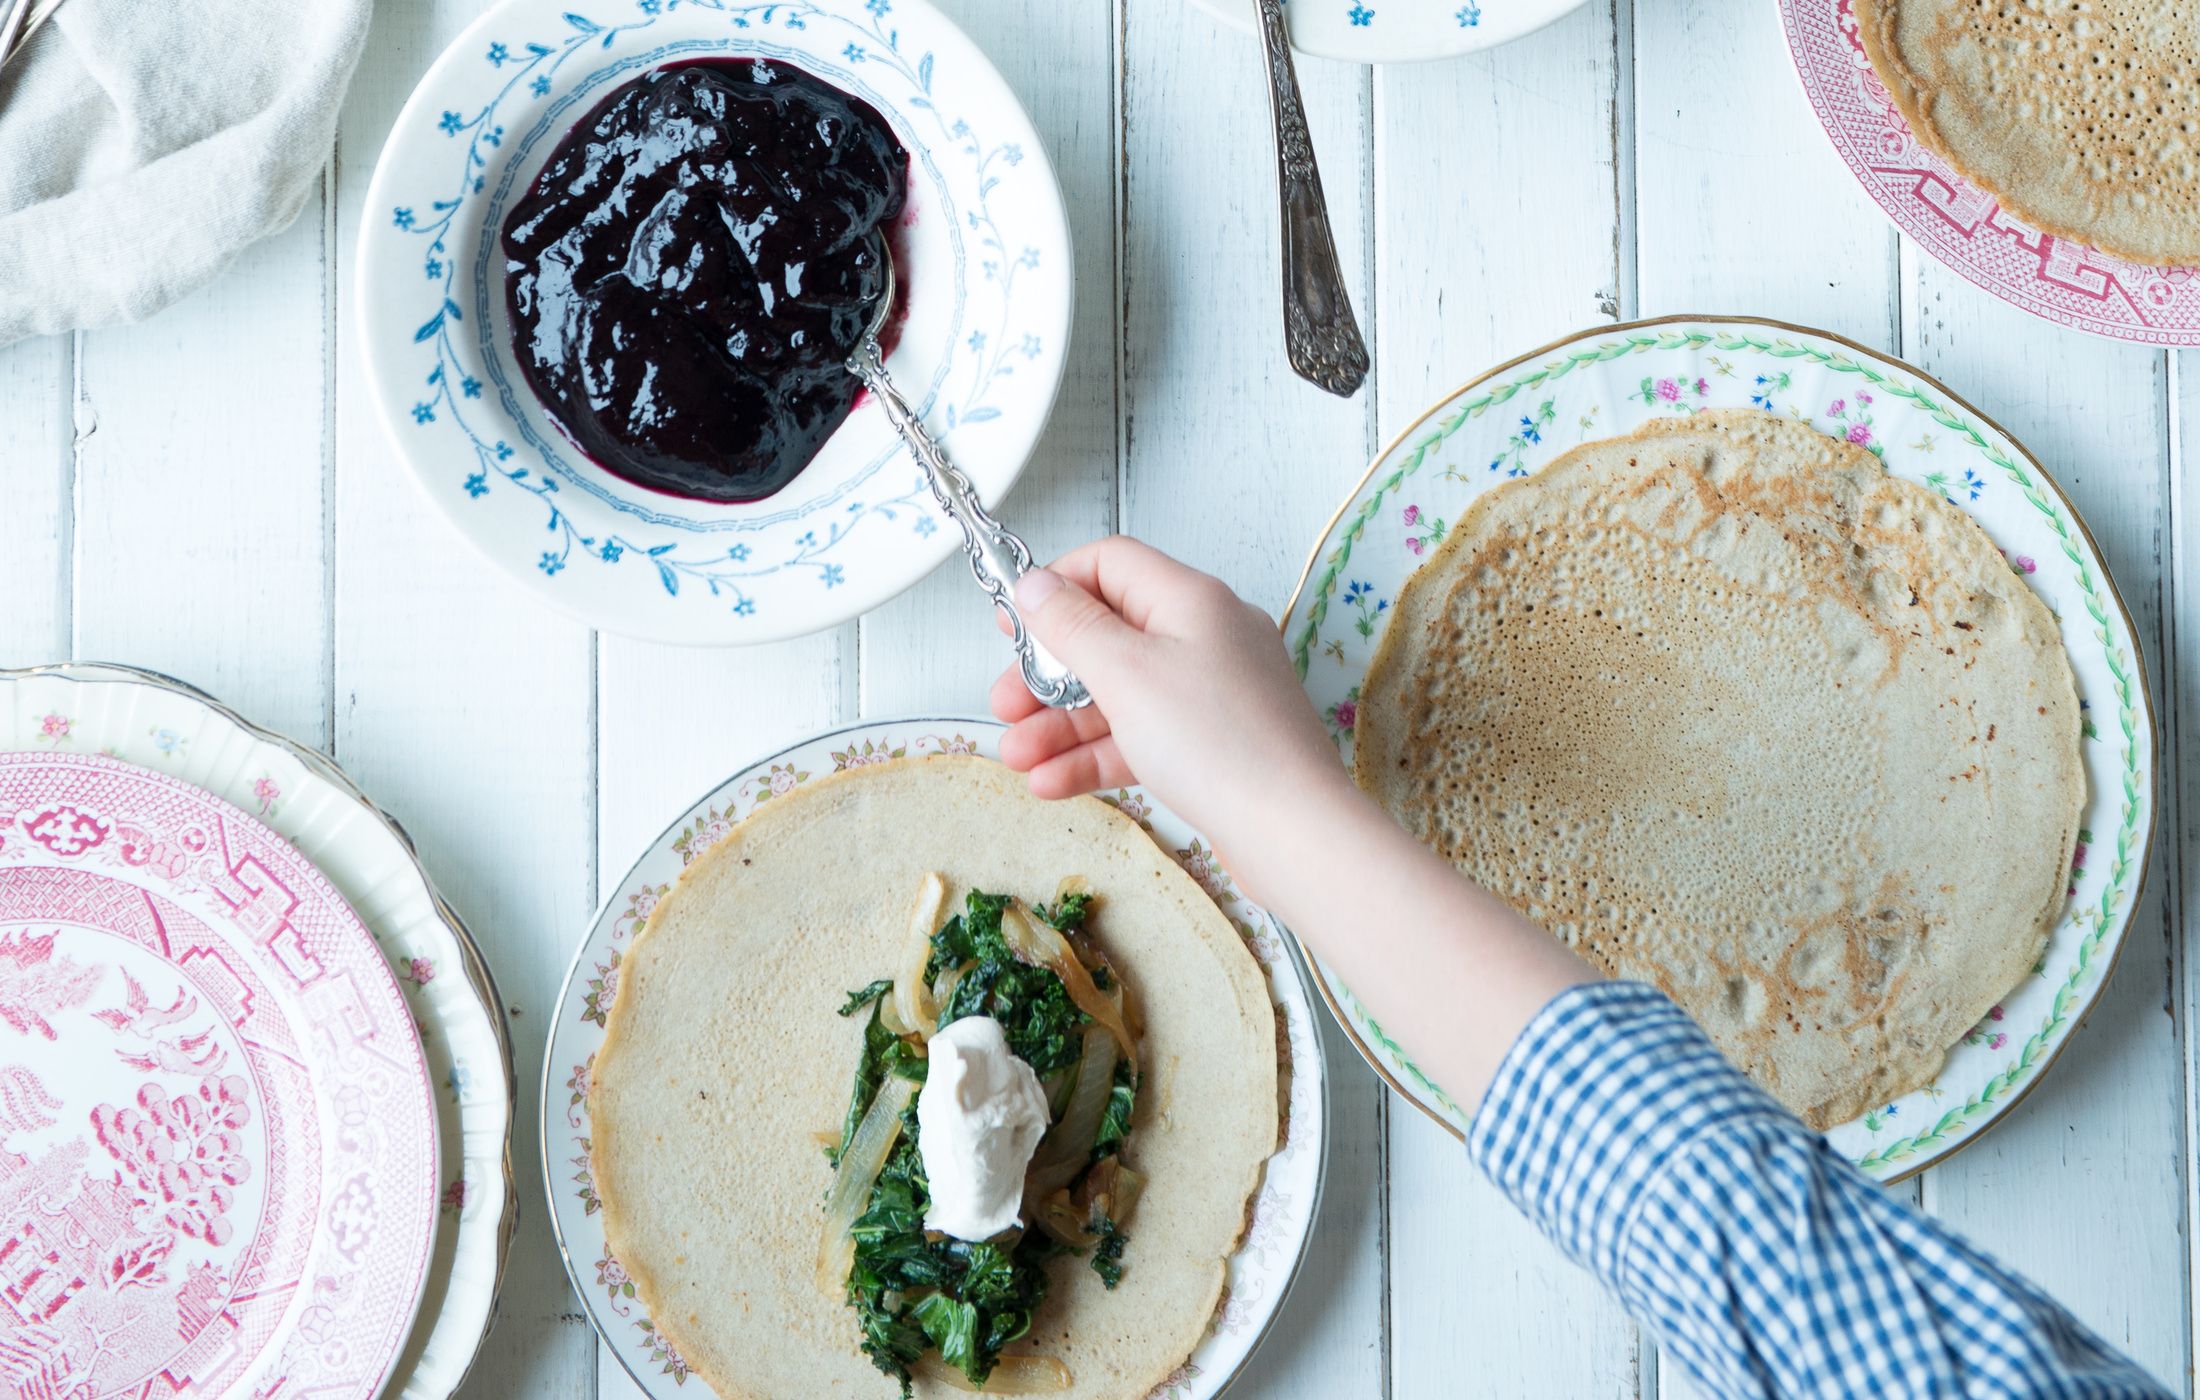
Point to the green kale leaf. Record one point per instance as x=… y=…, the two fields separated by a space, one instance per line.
x=858 y=1000
x=1115 y=1124
x=1107 y=1256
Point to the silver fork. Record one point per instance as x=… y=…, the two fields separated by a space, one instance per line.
x=20 y=20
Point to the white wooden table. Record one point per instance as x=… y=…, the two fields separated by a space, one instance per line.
x=208 y=494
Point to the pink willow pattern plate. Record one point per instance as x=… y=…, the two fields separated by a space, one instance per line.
x=1282 y=1223
x=161 y=723
x=1609 y=380
x=217 y=1149
x=1962 y=225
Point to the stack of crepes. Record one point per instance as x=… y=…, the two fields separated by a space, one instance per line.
x=1729 y=709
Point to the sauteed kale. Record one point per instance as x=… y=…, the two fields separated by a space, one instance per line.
x=914 y=1292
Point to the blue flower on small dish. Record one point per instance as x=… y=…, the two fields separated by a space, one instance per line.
x=1361 y=15
x=1469 y=16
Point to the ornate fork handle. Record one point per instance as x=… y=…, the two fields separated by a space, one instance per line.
x=1319 y=331
x=997 y=557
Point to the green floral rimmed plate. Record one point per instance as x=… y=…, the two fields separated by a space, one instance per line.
x=1606 y=381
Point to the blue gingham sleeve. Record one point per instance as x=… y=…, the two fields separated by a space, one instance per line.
x=1765 y=1263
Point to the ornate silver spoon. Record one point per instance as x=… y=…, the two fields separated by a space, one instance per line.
x=997 y=557
x=1319 y=332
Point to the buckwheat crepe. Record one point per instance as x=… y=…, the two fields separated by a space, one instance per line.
x=2082 y=116
x=1730 y=710
x=723 y=1057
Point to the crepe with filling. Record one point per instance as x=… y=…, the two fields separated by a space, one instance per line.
x=1730 y=710
x=2082 y=116
x=723 y=1058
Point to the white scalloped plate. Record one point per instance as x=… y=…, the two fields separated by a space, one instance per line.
x=1283 y=1210
x=1603 y=382
x=162 y=724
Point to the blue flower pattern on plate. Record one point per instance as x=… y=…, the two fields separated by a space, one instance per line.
x=532 y=67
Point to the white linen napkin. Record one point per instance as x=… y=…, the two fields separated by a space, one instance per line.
x=143 y=145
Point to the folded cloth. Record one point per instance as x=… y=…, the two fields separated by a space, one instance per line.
x=143 y=145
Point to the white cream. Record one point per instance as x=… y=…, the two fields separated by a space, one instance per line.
x=979 y=1118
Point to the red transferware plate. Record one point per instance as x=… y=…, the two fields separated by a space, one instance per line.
x=217 y=1136
x=1964 y=226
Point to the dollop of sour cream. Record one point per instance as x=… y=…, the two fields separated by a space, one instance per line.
x=980 y=1116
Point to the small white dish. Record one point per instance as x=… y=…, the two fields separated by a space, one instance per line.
x=986 y=273
x=1401 y=31
x=1281 y=1222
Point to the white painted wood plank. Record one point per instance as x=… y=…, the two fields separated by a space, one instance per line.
x=464 y=705
x=37 y=472
x=1232 y=462
x=2080 y=1186
x=2180 y=832
x=1742 y=204
x=935 y=649
x=1463 y=283
x=200 y=470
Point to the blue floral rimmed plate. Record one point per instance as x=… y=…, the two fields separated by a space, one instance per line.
x=986 y=287
x=1401 y=31
x=1606 y=381
x=1281 y=1220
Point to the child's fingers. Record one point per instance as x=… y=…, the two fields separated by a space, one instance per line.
x=1130 y=576
x=1011 y=700
x=1043 y=735
x=1098 y=764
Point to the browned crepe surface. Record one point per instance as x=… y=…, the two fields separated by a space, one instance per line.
x=2082 y=116
x=1732 y=711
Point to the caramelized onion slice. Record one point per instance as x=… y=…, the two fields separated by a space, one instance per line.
x=1012 y=1375
x=944 y=985
x=1128 y=1185
x=1063 y=1222
x=1067 y=1145
x=1038 y=944
x=912 y=1000
x=853 y=1179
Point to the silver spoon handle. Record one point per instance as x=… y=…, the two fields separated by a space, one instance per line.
x=997 y=557
x=1319 y=332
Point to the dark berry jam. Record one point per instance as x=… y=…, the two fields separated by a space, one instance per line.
x=690 y=272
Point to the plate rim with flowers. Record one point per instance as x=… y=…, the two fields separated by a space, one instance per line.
x=1600 y=382
x=1280 y=1216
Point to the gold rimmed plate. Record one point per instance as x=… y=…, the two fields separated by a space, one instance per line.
x=1606 y=381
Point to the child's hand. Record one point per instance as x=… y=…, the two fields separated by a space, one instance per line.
x=1193 y=695
x=1195 y=698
